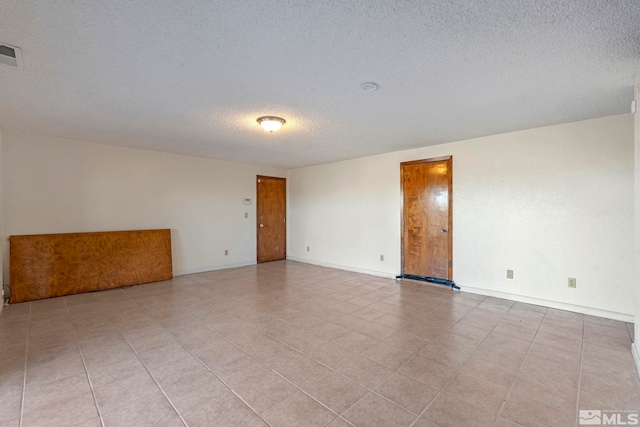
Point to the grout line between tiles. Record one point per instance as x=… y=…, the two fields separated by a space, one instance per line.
x=84 y=365
x=26 y=354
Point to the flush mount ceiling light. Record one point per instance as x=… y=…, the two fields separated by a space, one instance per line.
x=369 y=86
x=271 y=123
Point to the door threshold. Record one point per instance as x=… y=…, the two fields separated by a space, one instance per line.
x=436 y=280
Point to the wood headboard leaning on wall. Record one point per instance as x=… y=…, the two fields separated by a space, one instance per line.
x=53 y=265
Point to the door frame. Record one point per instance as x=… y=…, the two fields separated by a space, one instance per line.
x=449 y=160
x=258 y=177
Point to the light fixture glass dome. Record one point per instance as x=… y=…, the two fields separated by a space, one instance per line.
x=271 y=123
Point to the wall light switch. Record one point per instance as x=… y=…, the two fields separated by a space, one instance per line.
x=381 y=257
x=572 y=282
x=226 y=251
x=246 y=214
x=509 y=274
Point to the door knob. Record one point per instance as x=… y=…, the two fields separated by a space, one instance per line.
x=261 y=225
x=444 y=230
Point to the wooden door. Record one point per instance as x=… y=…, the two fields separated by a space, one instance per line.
x=426 y=218
x=271 y=215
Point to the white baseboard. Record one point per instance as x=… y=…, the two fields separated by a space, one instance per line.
x=213 y=268
x=343 y=267
x=553 y=304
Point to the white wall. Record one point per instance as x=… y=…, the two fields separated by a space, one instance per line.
x=549 y=203
x=59 y=186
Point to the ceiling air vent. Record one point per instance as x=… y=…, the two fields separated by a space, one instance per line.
x=10 y=55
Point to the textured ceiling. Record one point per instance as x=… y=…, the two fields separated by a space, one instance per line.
x=192 y=76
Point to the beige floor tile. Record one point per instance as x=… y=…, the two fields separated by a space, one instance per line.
x=444 y=354
x=406 y=341
x=255 y=421
x=375 y=331
x=563 y=343
x=503 y=422
x=521 y=321
x=527 y=411
x=336 y=392
x=621 y=344
x=365 y=371
x=490 y=372
x=148 y=411
x=97 y=359
x=102 y=375
x=467 y=331
x=554 y=394
x=178 y=370
x=264 y=391
x=11 y=395
x=428 y=371
x=149 y=338
x=514 y=330
x=63 y=402
x=608 y=393
x=193 y=391
x=240 y=370
x=543 y=371
x=59 y=367
x=506 y=358
x=111 y=396
x=479 y=321
x=162 y=355
x=477 y=392
x=332 y=355
x=302 y=370
x=407 y=392
x=103 y=343
x=298 y=410
x=563 y=331
x=374 y=411
x=565 y=358
x=339 y=422
x=387 y=355
x=219 y=355
x=328 y=331
x=447 y=411
x=225 y=410
x=573 y=323
x=355 y=341
x=515 y=345
x=197 y=338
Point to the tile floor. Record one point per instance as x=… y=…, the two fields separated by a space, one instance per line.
x=289 y=344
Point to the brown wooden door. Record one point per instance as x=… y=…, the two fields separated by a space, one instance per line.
x=272 y=212
x=426 y=218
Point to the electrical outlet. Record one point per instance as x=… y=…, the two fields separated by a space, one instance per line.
x=226 y=251
x=307 y=248
x=509 y=274
x=246 y=214
x=572 y=282
x=381 y=257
